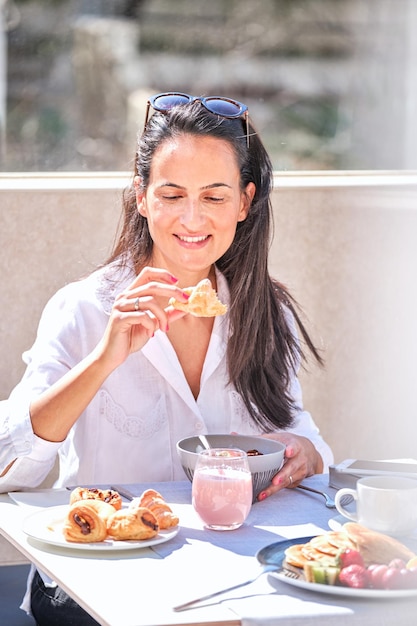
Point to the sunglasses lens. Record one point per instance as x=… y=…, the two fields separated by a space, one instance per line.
x=226 y=108
x=165 y=102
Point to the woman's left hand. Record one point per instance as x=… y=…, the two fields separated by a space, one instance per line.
x=301 y=459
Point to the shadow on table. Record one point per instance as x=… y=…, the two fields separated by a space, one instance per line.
x=235 y=541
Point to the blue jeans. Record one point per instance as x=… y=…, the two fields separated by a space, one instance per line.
x=51 y=606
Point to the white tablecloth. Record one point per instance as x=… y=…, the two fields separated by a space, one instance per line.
x=267 y=601
x=198 y=561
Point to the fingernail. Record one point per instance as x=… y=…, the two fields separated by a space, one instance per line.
x=262 y=495
x=173 y=279
x=186 y=295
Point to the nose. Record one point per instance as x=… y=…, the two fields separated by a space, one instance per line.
x=193 y=215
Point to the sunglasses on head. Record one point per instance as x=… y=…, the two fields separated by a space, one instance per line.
x=225 y=107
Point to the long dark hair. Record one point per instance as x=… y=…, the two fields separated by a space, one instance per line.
x=263 y=352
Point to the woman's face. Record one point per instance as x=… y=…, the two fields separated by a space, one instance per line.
x=193 y=203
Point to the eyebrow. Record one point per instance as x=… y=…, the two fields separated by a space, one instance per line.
x=211 y=186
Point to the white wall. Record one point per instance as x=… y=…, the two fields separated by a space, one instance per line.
x=347 y=245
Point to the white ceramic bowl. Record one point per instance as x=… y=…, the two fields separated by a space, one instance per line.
x=263 y=466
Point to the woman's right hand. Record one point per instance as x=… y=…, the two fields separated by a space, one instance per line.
x=129 y=328
x=137 y=313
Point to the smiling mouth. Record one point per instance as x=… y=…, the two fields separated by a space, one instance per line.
x=193 y=239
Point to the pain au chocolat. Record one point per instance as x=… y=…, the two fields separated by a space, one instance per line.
x=86 y=521
x=133 y=523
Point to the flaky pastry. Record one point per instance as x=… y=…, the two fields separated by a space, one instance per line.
x=376 y=547
x=86 y=521
x=153 y=501
x=92 y=493
x=132 y=524
x=203 y=301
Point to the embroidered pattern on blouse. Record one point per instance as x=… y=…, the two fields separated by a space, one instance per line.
x=110 y=281
x=132 y=425
x=105 y=293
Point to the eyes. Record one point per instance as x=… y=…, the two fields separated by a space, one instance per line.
x=174 y=196
x=178 y=197
x=170 y=197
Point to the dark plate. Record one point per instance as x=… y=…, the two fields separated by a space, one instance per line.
x=274 y=554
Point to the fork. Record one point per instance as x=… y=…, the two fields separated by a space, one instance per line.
x=330 y=503
x=265 y=569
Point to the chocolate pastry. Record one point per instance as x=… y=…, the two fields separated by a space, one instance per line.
x=86 y=521
x=132 y=523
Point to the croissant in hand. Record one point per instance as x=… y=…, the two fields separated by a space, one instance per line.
x=153 y=501
x=86 y=521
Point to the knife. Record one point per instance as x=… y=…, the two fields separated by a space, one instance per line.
x=265 y=569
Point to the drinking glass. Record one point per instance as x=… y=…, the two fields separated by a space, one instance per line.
x=222 y=488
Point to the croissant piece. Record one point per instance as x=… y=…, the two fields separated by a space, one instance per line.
x=203 y=301
x=153 y=501
x=106 y=495
x=86 y=521
x=132 y=523
x=376 y=547
x=150 y=494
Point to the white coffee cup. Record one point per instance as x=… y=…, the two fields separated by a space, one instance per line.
x=387 y=504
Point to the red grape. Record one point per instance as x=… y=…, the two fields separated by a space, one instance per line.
x=392 y=578
x=376 y=574
x=350 y=557
x=354 y=575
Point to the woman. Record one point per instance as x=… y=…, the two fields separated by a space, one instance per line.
x=117 y=376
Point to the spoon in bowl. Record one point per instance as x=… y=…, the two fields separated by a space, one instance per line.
x=204 y=442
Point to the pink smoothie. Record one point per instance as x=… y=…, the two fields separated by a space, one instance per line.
x=222 y=497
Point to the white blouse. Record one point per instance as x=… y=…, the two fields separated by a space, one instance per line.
x=128 y=432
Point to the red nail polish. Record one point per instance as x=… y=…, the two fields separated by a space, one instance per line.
x=262 y=496
x=173 y=279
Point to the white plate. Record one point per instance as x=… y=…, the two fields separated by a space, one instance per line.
x=336 y=523
x=46 y=526
x=275 y=554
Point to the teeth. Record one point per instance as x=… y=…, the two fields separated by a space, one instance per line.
x=192 y=239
